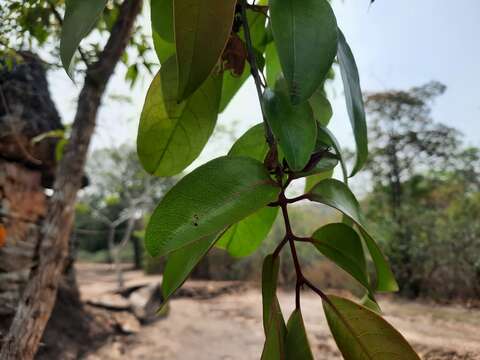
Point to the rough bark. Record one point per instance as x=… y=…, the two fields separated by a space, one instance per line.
x=39 y=295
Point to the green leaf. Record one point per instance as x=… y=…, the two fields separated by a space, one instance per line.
x=324 y=165
x=80 y=17
x=252 y=143
x=273 y=322
x=162 y=19
x=162 y=28
x=336 y=194
x=244 y=237
x=171 y=135
x=272 y=64
x=231 y=83
x=209 y=199
x=297 y=344
x=270 y=269
x=325 y=136
x=293 y=127
x=202 y=29
x=354 y=99
x=342 y=245
x=182 y=262
x=322 y=110
x=361 y=334
x=305 y=34
x=369 y=302
x=312 y=180
x=163 y=48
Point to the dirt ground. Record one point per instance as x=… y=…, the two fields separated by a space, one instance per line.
x=229 y=326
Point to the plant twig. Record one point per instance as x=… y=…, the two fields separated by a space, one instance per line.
x=255 y=71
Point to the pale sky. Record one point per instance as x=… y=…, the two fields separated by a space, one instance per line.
x=397 y=44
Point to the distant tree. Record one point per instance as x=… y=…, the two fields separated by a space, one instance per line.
x=121 y=193
x=407 y=151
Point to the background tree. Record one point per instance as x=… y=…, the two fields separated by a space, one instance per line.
x=120 y=196
x=411 y=159
x=36 y=24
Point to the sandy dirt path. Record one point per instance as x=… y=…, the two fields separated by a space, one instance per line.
x=229 y=327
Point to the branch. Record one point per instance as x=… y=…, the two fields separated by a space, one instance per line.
x=255 y=71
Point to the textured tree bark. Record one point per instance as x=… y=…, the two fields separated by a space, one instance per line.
x=38 y=298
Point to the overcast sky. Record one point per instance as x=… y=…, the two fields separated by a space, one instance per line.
x=397 y=44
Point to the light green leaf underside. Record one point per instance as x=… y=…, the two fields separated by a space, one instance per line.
x=354 y=100
x=244 y=237
x=202 y=29
x=252 y=143
x=325 y=164
x=182 y=262
x=305 y=34
x=342 y=245
x=325 y=136
x=336 y=194
x=312 y=180
x=171 y=135
x=209 y=199
x=361 y=334
x=322 y=110
x=273 y=322
x=80 y=17
x=297 y=344
x=163 y=48
x=272 y=64
x=293 y=127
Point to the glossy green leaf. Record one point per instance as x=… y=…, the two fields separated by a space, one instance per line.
x=273 y=322
x=232 y=83
x=361 y=334
x=342 y=245
x=244 y=237
x=171 y=135
x=336 y=194
x=322 y=110
x=80 y=17
x=209 y=199
x=312 y=180
x=297 y=345
x=202 y=29
x=162 y=19
x=182 y=262
x=354 y=99
x=305 y=34
x=252 y=143
x=293 y=127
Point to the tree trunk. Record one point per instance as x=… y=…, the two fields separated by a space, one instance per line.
x=39 y=295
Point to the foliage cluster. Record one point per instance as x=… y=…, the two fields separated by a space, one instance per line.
x=231 y=202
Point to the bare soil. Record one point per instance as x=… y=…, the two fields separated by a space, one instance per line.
x=229 y=326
